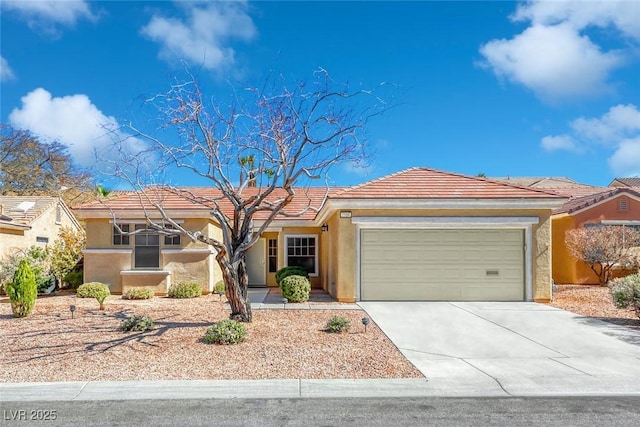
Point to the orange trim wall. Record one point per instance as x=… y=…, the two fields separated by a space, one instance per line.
x=567 y=269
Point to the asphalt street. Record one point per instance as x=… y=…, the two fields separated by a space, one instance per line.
x=433 y=411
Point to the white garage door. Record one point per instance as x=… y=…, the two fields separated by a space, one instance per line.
x=442 y=265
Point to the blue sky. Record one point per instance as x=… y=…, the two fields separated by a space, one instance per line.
x=501 y=88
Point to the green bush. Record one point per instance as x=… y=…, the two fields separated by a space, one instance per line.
x=225 y=332
x=219 y=287
x=338 y=324
x=22 y=290
x=185 y=290
x=138 y=293
x=137 y=323
x=74 y=279
x=625 y=292
x=296 y=288
x=290 y=271
x=96 y=290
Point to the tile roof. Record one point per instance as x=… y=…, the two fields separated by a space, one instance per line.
x=578 y=203
x=540 y=182
x=629 y=182
x=203 y=199
x=23 y=210
x=423 y=183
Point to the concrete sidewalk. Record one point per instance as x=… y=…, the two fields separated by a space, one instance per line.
x=294 y=388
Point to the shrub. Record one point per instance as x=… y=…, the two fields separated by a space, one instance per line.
x=96 y=290
x=138 y=293
x=219 y=287
x=338 y=324
x=290 y=271
x=225 y=332
x=185 y=290
x=74 y=279
x=22 y=290
x=137 y=323
x=295 y=288
x=625 y=292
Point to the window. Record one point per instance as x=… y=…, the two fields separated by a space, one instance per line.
x=171 y=240
x=623 y=204
x=120 y=239
x=273 y=255
x=301 y=252
x=58 y=213
x=147 y=248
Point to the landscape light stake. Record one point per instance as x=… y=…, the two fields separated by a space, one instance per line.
x=72 y=309
x=365 y=322
x=220 y=292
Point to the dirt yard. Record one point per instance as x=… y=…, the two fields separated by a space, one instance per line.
x=51 y=346
x=593 y=301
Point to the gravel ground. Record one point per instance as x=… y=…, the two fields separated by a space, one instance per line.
x=593 y=301
x=51 y=346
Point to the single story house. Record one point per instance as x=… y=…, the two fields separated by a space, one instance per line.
x=27 y=221
x=609 y=206
x=418 y=234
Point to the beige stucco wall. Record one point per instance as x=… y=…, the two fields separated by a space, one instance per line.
x=340 y=274
x=190 y=261
x=44 y=226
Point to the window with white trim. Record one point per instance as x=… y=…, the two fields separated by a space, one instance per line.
x=147 y=248
x=302 y=251
x=120 y=239
x=273 y=255
x=171 y=239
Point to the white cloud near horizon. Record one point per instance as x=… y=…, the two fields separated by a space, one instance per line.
x=554 y=57
x=75 y=122
x=6 y=73
x=560 y=142
x=45 y=15
x=203 y=37
x=618 y=130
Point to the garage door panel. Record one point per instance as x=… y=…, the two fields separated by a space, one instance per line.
x=462 y=265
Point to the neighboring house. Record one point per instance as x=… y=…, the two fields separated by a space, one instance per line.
x=27 y=221
x=625 y=182
x=610 y=206
x=419 y=234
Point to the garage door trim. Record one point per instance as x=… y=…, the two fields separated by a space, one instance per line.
x=524 y=223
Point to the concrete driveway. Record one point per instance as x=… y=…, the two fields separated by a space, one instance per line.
x=524 y=348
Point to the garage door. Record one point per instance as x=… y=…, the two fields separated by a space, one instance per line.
x=442 y=265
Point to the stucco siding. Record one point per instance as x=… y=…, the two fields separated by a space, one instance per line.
x=570 y=270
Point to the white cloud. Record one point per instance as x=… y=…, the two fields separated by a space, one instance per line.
x=6 y=73
x=75 y=122
x=626 y=160
x=203 y=37
x=561 y=142
x=623 y=15
x=619 y=122
x=44 y=15
x=554 y=57
x=617 y=131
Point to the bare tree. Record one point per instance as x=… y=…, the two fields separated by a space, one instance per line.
x=605 y=247
x=30 y=166
x=257 y=151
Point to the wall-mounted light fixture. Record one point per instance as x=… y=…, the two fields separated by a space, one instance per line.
x=325 y=227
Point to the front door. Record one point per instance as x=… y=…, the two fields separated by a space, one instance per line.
x=256 y=263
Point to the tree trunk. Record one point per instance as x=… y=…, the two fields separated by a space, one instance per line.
x=236 y=285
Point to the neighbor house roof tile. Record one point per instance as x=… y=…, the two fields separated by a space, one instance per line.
x=579 y=203
x=23 y=210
